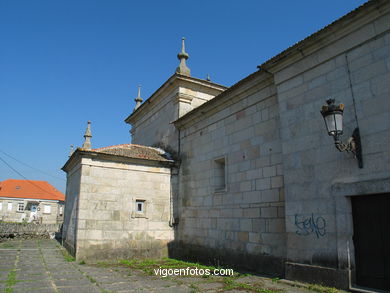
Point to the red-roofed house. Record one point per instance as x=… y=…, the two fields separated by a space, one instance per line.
x=30 y=201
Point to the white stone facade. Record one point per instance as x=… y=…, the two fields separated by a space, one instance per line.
x=17 y=210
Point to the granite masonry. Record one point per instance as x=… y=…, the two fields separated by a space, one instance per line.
x=249 y=177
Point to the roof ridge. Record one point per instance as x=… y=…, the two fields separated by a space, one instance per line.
x=124 y=144
x=116 y=145
x=130 y=150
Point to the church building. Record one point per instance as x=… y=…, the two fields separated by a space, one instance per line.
x=287 y=172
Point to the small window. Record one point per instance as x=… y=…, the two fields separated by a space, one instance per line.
x=140 y=206
x=220 y=174
x=9 y=206
x=20 y=207
x=46 y=209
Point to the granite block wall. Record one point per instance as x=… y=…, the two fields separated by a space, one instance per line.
x=354 y=70
x=243 y=224
x=108 y=223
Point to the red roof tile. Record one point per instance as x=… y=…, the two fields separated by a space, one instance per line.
x=30 y=189
x=135 y=151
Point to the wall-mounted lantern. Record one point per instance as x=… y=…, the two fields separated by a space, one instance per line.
x=333 y=117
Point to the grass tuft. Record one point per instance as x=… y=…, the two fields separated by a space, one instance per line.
x=67 y=256
x=148 y=265
x=91 y=279
x=322 y=289
x=11 y=280
x=230 y=284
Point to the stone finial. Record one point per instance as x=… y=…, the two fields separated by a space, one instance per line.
x=183 y=56
x=138 y=100
x=208 y=77
x=87 y=137
x=71 y=150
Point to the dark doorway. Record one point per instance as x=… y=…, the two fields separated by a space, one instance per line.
x=371 y=226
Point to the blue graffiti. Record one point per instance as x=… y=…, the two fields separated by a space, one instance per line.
x=308 y=224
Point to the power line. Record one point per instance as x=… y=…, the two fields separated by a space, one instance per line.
x=34 y=168
x=20 y=174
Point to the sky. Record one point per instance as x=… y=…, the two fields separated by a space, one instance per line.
x=64 y=62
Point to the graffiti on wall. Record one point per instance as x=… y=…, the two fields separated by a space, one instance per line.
x=310 y=224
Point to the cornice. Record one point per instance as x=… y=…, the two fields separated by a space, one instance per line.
x=255 y=81
x=173 y=81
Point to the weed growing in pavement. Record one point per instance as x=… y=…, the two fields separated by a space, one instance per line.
x=67 y=256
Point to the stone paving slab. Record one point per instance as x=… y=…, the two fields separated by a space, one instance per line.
x=87 y=289
x=38 y=266
x=36 y=284
x=32 y=290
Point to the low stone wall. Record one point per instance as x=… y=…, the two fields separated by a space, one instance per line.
x=28 y=230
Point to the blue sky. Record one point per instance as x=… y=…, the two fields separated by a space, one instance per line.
x=65 y=62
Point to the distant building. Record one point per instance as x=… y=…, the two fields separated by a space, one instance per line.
x=30 y=201
x=254 y=181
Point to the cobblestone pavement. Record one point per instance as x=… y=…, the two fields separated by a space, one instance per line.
x=39 y=266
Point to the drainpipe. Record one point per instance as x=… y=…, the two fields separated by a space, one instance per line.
x=349 y=267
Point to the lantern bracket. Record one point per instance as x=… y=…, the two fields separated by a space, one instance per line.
x=352 y=145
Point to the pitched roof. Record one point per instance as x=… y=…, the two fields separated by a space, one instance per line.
x=169 y=82
x=29 y=189
x=135 y=151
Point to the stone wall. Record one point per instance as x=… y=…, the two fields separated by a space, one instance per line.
x=242 y=225
x=155 y=128
x=108 y=224
x=352 y=65
x=12 y=230
x=69 y=231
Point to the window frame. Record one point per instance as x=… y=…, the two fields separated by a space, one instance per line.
x=142 y=203
x=140 y=214
x=218 y=162
x=44 y=209
x=18 y=207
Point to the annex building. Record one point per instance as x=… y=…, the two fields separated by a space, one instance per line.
x=247 y=176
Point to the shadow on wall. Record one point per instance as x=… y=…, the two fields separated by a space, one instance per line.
x=222 y=257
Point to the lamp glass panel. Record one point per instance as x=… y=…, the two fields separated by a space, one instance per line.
x=334 y=123
x=339 y=122
x=330 y=124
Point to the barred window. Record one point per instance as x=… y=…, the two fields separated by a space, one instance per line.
x=20 y=207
